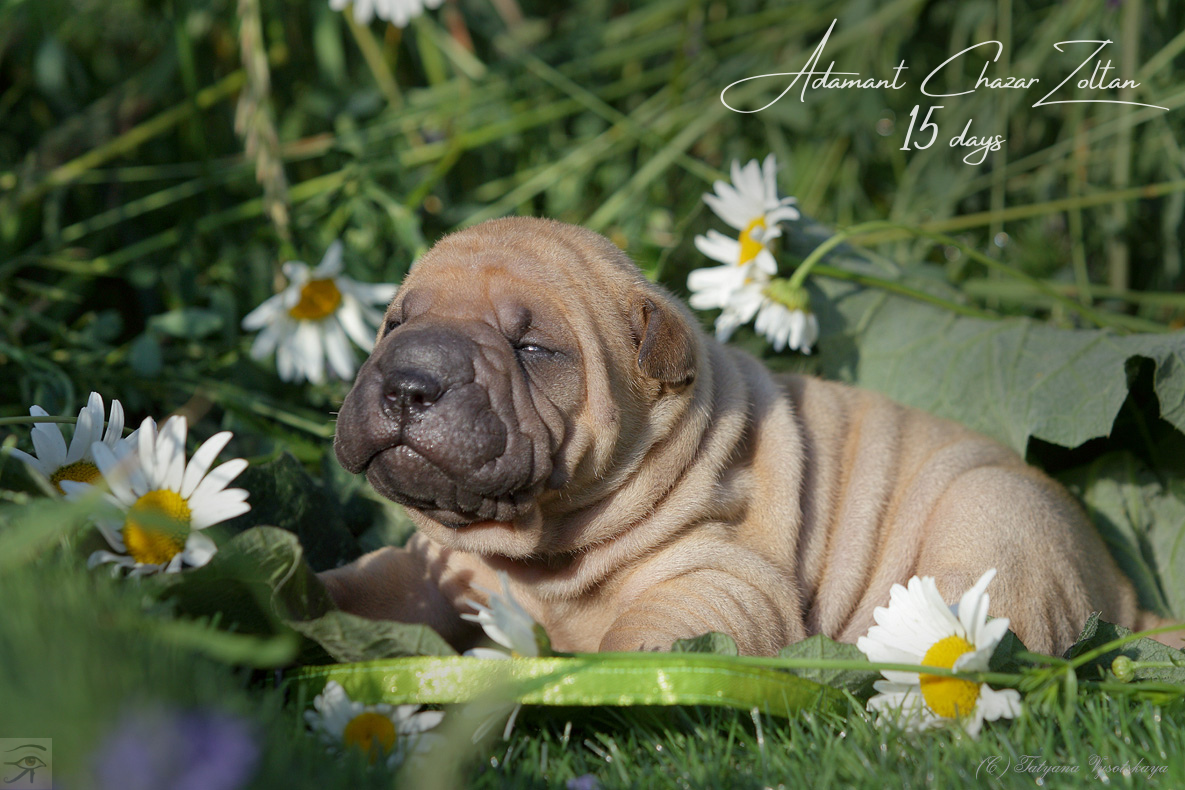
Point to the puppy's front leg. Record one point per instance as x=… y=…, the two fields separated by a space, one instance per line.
x=700 y=601
x=415 y=584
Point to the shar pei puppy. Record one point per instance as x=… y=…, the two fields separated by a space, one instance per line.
x=539 y=408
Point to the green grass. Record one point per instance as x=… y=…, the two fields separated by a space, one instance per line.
x=79 y=657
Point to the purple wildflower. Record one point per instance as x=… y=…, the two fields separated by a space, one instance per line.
x=585 y=782
x=181 y=750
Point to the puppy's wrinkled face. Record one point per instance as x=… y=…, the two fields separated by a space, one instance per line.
x=513 y=359
x=462 y=407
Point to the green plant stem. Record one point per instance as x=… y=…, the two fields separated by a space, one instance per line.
x=1019 y=290
x=134 y=137
x=1114 y=644
x=30 y=420
x=879 y=226
x=979 y=219
x=899 y=288
x=372 y=53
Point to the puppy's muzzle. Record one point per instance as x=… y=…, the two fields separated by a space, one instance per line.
x=430 y=435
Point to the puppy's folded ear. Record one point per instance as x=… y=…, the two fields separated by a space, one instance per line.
x=666 y=349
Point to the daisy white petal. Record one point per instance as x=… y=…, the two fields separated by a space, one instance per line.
x=286 y=364
x=1001 y=704
x=198 y=549
x=973 y=605
x=918 y=626
x=114 y=425
x=73 y=490
x=752 y=198
x=486 y=653
x=101 y=557
x=88 y=429
x=203 y=457
x=47 y=441
x=505 y=620
x=266 y=341
x=170 y=453
x=338 y=353
x=712 y=287
x=30 y=461
x=265 y=313
x=312 y=355
x=219 y=478
x=331 y=264
x=310 y=323
x=218 y=510
x=368 y=293
x=354 y=323
x=114 y=471
x=298 y=273
x=343 y=724
x=57 y=464
x=162 y=502
x=719 y=247
x=146 y=451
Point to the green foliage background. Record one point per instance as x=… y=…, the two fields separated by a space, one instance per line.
x=136 y=231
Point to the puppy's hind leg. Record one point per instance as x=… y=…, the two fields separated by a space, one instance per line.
x=1053 y=568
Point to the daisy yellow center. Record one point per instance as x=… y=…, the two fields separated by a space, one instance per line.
x=949 y=697
x=318 y=299
x=750 y=247
x=79 y=472
x=371 y=732
x=156 y=527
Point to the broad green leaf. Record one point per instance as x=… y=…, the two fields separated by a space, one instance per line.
x=858 y=682
x=713 y=642
x=187 y=323
x=1011 y=379
x=256 y=581
x=1141 y=514
x=1004 y=656
x=348 y=638
x=144 y=355
x=284 y=495
x=1097 y=633
x=259 y=583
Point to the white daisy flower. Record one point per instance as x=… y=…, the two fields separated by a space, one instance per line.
x=919 y=628
x=56 y=463
x=734 y=289
x=311 y=322
x=397 y=732
x=751 y=203
x=750 y=290
x=785 y=317
x=743 y=253
x=506 y=622
x=163 y=503
x=397 y=12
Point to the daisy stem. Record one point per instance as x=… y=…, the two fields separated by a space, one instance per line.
x=1114 y=644
x=867 y=228
x=373 y=56
x=894 y=286
x=33 y=420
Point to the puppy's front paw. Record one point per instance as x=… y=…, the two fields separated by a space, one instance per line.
x=333 y=586
x=634 y=640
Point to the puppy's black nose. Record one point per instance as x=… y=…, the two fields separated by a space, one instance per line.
x=419 y=365
x=415 y=389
